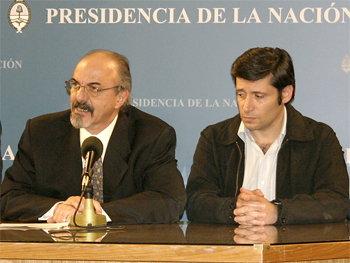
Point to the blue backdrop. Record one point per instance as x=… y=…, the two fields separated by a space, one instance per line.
x=180 y=54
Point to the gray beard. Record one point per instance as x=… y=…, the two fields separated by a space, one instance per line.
x=77 y=121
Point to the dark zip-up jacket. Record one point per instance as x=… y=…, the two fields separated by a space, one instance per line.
x=312 y=182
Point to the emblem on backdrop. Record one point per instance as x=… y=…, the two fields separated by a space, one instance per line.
x=19 y=15
x=345 y=64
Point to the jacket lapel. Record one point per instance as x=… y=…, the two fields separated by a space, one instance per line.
x=117 y=154
x=68 y=164
x=68 y=156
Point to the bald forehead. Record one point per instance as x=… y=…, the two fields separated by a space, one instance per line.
x=98 y=58
x=98 y=61
x=97 y=68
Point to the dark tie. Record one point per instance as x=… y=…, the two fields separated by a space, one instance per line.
x=97 y=180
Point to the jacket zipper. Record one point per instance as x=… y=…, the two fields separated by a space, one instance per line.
x=239 y=167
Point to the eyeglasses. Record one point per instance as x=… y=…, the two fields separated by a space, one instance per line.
x=73 y=86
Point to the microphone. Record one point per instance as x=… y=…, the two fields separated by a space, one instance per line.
x=91 y=150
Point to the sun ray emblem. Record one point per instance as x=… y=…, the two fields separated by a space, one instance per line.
x=19 y=15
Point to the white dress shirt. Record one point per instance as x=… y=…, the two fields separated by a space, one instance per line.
x=260 y=168
x=104 y=137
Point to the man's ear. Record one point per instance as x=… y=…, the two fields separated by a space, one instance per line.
x=122 y=97
x=287 y=94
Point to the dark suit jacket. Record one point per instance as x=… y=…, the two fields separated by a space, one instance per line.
x=141 y=181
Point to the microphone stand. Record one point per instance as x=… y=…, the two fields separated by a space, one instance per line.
x=89 y=218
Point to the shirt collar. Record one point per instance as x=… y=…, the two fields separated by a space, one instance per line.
x=244 y=133
x=104 y=135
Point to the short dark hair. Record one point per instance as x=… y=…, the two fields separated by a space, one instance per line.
x=258 y=63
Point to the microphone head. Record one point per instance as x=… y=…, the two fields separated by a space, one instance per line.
x=92 y=144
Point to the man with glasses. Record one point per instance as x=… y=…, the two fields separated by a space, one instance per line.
x=141 y=182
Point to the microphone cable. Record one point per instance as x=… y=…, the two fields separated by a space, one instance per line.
x=77 y=208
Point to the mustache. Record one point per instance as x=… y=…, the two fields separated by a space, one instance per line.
x=83 y=106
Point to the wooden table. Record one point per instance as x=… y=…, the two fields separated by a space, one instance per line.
x=183 y=242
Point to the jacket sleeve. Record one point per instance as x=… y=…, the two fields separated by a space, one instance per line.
x=19 y=200
x=206 y=183
x=324 y=181
x=163 y=195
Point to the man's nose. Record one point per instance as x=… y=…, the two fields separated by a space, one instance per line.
x=81 y=94
x=248 y=104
